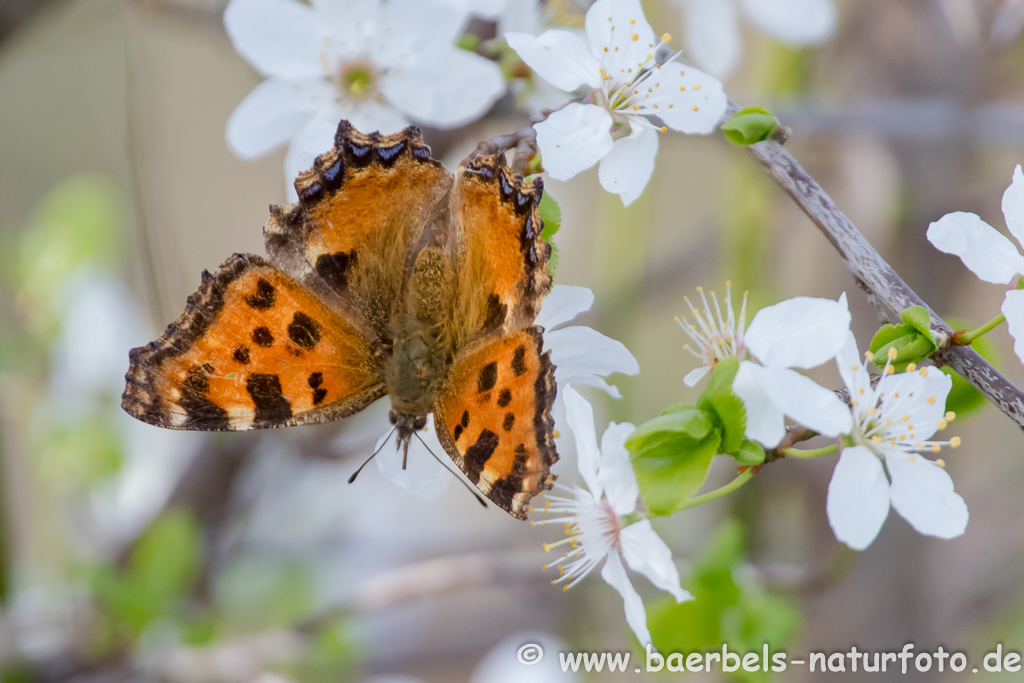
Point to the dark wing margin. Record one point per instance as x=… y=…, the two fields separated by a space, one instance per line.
x=253 y=349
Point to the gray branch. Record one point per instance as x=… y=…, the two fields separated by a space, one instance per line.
x=876 y=277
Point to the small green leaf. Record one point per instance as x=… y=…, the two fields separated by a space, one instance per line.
x=911 y=344
x=672 y=471
x=750 y=125
x=551 y=214
x=468 y=41
x=687 y=422
x=749 y=453
x=917 y=316
x=724 y=407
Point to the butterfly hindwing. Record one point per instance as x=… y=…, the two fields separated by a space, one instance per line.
x=361 y=211
x=503 y=255
x=493 y=417
x=253 y=349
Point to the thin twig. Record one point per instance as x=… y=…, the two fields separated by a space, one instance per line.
x=876 y=277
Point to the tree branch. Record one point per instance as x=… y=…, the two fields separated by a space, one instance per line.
x=876 y=277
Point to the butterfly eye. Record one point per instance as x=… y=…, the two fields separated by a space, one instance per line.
x=393 y=417
x=420 y=422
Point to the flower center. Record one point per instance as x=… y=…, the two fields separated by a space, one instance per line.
x=716 y=336
x=357 y=80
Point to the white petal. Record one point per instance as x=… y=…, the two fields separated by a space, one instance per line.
x=277 y=37
x=805 y=401
x=616 y=469
x=802 y=332
x=852 y=366
x=274 y=113
x=612 y=24
x=646 y=553
x=372 y=116
x=596 y=382
x=562 y=304
x=922 y=397
x=315 y=139
x=348 y=23
x=696 y=375
x=983 y=249
x=922 y=492
x=444 y=86
x=559 y=57
x=766 y=423
x=578 y=351
x=615 y=575
x=1013 y=309
x=580 y=416
x=858 y=497
x=573 y=139
x=1013 y=205
x=796 y=22
x=423 y=474
x=713 y=35
x=694 y=111
x=409 y=24
x=626 y=169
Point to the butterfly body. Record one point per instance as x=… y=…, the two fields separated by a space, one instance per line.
x=390 y=276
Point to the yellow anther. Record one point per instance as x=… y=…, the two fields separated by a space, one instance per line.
x=632 y=21
x=556 y=434
x=855 y=367
x=682 y=88
x=697 y=87
x=533 y=523
x=890 y=370
x=911 y=367
x=931 y=400
x=545 y=567
x=954 y=442
x=891 y=353
x=923 y=372
x=696 y=108
x=565 y=588
x=906 y=417
x=547 y=548
x=940 y=462
x=911 y=458
x=606 y=49
x=876 y=439
x=664 y=129
x=936 y=448
x=942 y=424
x=634 y=37
x=636 y=108
x=896 y=394
x=920 y=444
x=666 y=37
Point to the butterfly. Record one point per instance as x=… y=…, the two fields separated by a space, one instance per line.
x=389 y=276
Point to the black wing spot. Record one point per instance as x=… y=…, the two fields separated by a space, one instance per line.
x=519 y=361
x=262 y=337
x=479 y=453
x=200 y=411
x=510 y=420
x=241 y=354
x=457 y=432
x=304 y=331
x=315 y=380
x=465 y=419
x=487 y=378
x=265 y=296
x=496 y=312
x=389 y=155
x=267 y=397
x=333 y=268
x=504 y=398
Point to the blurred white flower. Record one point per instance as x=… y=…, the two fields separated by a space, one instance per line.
x=377 y=64
x=988 y=253
x=625 y=86
x=893 y=421
x=712 y=27
x=801 y=332
x=580 y=354
x=501 y=664
x=602 y=521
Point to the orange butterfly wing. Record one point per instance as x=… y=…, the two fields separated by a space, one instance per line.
x=253 y=349
x=494 y=419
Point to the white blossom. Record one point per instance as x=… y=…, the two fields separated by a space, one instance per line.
x=377 y=64
x=624 y=88
x=802 y=332
x=602 y=522
x=988 y=253
x=712 y=27
x=894 y=422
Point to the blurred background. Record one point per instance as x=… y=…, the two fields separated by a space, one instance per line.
x=130 y=553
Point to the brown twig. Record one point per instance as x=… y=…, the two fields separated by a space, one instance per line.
x=523 y=141
x=876 y=277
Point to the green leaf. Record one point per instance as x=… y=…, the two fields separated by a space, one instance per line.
x=749 y=126
x=749 y=453
x=724 y=407
x=669 y=470
x=911 y=344
x=917 y=317
x=686 y=423
x=551 y=214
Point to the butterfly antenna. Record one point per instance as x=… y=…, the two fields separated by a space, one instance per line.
x=367 y=461
x=479 y=498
